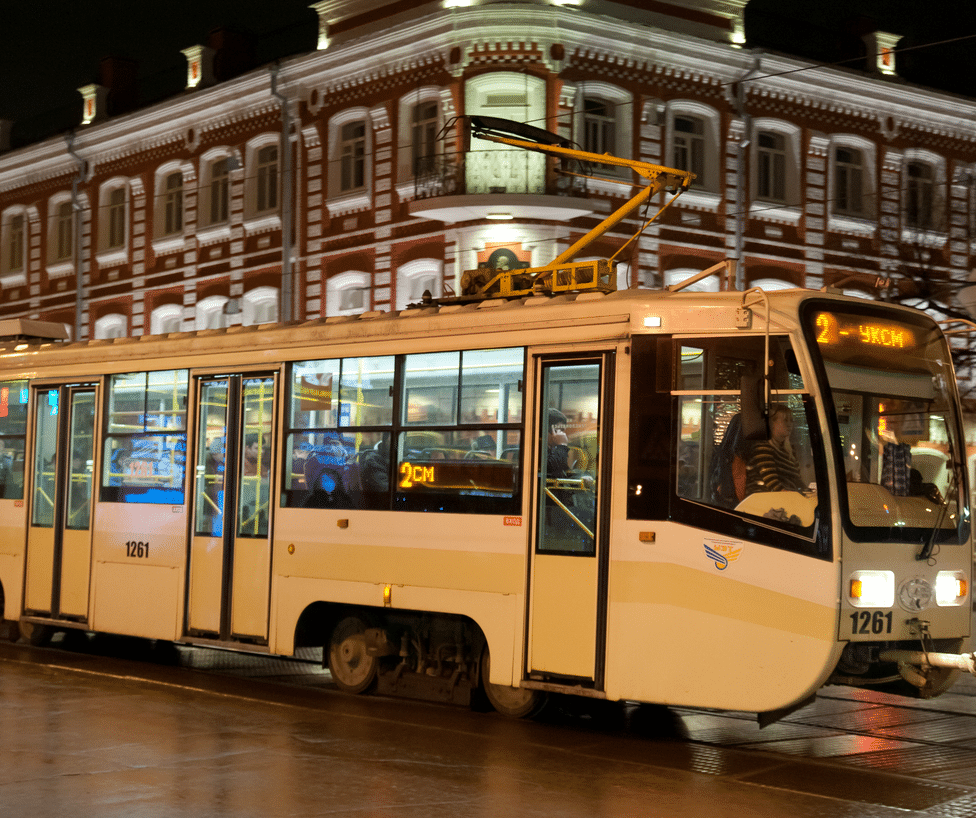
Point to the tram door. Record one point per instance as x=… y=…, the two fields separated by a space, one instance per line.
x=230 y=547
x=59 y=541
x=567 y=594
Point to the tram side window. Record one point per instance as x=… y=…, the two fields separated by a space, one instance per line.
x=339 y=433
x=13 y=430
x=145 y=439
x=762 y=471
x=459 y=447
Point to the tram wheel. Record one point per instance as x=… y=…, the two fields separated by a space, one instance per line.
x=35 y=633
x=12 y=627
x=515 y=702
x=353 y=669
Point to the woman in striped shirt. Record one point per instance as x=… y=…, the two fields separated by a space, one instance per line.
x=773 y=465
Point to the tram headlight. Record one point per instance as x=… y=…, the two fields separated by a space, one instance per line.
x=872 y=589
x=951 y=588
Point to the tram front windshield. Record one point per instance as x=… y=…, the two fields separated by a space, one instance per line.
x=890 y=381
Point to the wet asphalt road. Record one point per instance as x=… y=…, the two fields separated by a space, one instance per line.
x=189 y=732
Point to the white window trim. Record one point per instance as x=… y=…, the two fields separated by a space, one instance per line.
x=867 y=224
x=930 y=237
x=58 y=267
x=622 y=102
x=709 y=284
x=790 y=210
x=113 y=325
x=168 y=242
x=405 y=106
x=161 y=315
x=203 y=196
x=345 y=281
x=412 y=271
x=714 y=145
x=210 y=306
x=105 y=256
x=256 y=300
x=772 y=284
x=17 y=277
x=260 y=221
x=337 y=202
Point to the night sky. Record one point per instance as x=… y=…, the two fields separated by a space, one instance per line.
x=48 y=48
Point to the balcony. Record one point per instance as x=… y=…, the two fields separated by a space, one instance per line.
x=495 y=184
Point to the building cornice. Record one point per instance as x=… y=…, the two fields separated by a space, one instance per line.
x=497 y=34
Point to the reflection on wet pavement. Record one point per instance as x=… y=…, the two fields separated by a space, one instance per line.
x=189 y=731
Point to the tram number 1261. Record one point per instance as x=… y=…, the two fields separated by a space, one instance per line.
x=136 y=548
x=871 y=622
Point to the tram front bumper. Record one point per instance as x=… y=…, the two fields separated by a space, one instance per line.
x=912 y=664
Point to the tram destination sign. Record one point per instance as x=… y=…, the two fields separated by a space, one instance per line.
x=840 y=330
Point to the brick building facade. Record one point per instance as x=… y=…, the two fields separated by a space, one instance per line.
x=192 y=213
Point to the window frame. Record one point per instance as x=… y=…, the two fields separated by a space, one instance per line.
x=121 y=491
x=704 y=191
x=13 y=246
x=343 y=282
x=408 y=488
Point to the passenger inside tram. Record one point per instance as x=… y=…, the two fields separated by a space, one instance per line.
x=773 y=464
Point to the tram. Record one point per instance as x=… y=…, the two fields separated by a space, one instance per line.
x=500 y=498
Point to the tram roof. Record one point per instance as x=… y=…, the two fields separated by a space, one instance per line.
x=577 y=318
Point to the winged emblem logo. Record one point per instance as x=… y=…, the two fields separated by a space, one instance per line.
x=721 y=553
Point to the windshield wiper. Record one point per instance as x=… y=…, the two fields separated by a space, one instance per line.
x=929 y=547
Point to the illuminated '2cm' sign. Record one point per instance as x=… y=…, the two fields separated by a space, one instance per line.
x=411 y=474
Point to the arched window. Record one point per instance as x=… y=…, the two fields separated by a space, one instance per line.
x=709 y=284
x=13 y=245
x=211 y=313
x=851 y=182
x=347 y=294
x=165 y=319
x=350 y=149
x=494 y=168
x=60 y=229
x=772 y=284
x=693 y=143
x=603 y=124
x=172 y=203
x=260 y=306
x=214 y=199
x=419 y=122
x=168 y=208
x=262 y=187
x=112 y=216
x=923 y=190
x=416 y=277
x=113 y=325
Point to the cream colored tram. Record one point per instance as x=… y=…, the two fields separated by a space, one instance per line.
x=507 y=496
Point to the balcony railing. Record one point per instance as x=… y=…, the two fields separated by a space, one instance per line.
x=491 y=171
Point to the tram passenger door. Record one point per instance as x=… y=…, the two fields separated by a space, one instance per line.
x=567 y=594
x=59 y=540
x=230 y=547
